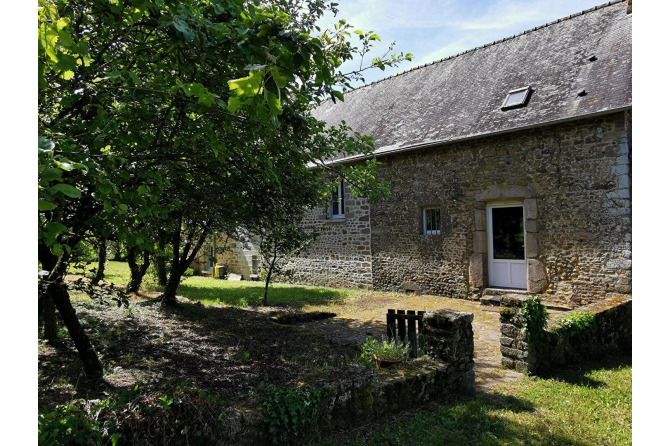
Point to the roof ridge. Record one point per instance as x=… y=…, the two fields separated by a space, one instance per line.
x=495 y=42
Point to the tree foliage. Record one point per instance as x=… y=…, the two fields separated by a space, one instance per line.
x=162 y=118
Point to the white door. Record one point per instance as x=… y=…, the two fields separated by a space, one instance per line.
x=507 y=246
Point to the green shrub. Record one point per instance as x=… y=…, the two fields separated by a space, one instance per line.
x=291 y=412
x=576 y=327
x=383 y=350
x=536 y=320
x=178 y=414
x=71 y=424
x=84 y=252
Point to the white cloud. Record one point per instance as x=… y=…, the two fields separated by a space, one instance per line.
x=433 y=29
x=508 y=14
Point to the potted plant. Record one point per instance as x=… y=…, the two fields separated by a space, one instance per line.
x=382 y=354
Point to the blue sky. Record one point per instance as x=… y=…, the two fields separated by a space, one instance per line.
x=435 y=29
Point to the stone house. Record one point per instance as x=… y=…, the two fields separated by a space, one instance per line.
x=509 y=166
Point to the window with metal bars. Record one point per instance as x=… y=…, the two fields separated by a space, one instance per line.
x=431 y=221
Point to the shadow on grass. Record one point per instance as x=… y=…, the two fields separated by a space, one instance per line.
x=246 y=293
x=463 y=421
x=577 y=374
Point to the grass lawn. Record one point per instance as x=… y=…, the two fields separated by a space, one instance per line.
x=235 y=293
x=228 y=347
x=591 y=405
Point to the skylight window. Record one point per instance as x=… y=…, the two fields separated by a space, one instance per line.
x=516 y=98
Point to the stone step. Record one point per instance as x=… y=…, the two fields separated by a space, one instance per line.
x=502 y=291
x=494 y=299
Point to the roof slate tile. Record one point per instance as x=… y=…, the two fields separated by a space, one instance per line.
x=460 y=97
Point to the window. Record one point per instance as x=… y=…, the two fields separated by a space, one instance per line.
x=431 y=221
x=516 y=98
x=336 y=208
x=211 y=257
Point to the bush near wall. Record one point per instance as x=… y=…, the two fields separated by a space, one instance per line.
x=529 y=342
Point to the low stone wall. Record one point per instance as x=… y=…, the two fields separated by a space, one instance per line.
x=612 y=330
x=362 y=395
x=359 y=395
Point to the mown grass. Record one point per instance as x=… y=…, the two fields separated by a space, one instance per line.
x=243 y=293
x=234 y=293
x=591 y=405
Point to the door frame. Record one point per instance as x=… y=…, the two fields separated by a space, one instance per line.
x=489 y=237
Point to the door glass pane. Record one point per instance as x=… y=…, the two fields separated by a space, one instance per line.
x=507 y=228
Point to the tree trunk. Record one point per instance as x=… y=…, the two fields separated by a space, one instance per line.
x=267 y=280
x=137 y=272
x=161 y=270
x=181 y=261
x=45 y=303
x=102 y=258
x=49 y=317
x=92 y=365
x=170 y=294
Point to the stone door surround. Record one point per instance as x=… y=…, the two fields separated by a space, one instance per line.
x=536 y=272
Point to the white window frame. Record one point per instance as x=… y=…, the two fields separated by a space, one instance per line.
x=427 y=231
x=340 y=203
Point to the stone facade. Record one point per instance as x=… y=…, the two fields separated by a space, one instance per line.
x=341 y=257
x=573 y=180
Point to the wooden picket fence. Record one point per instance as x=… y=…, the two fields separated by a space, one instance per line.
x=405 y=327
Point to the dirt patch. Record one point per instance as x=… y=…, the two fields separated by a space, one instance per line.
x=230 y=350
x=225 y=350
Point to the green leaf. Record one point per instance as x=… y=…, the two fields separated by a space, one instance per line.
x=43 y=205
x=134 y=78
x=247 y=86
x=278 y=78
x=66 y=62
x=235 y=103
x=45 y=145
x=66 y=189
x=41 y=80
x=273 y=103
x=113 y=75
x=194 y=90
x=63 y=22
x=206 y=99
x=65 y=166
x=338 y=95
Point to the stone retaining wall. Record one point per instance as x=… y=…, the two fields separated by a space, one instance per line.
x=359 y=395
x=612 y=331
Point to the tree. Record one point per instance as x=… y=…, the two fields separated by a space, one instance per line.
x=147 y=106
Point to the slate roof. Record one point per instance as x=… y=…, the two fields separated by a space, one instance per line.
x=461 y=97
